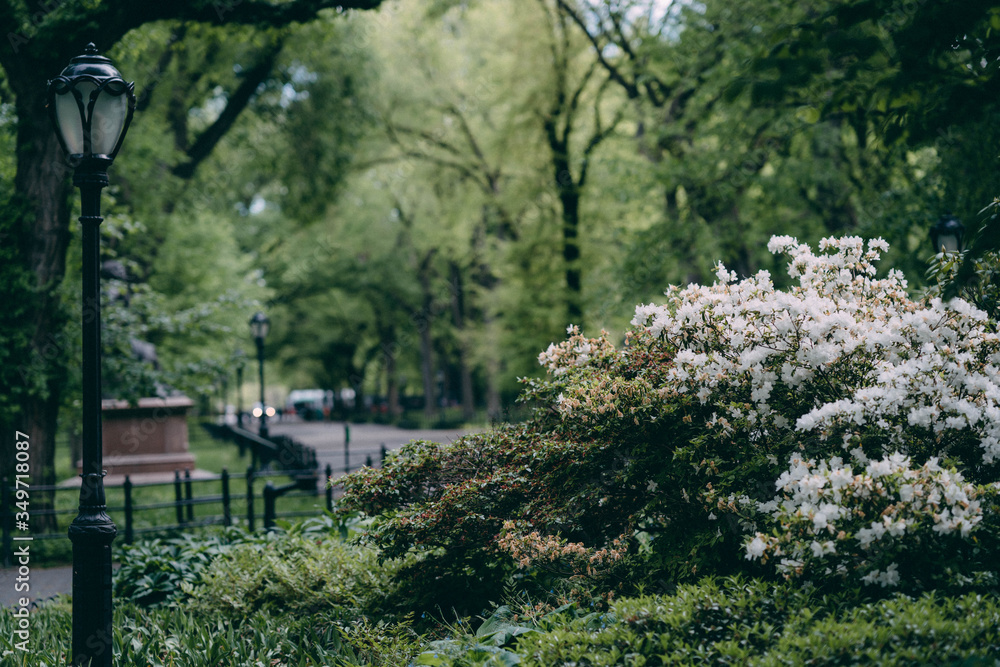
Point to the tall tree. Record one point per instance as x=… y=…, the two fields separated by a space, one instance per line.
x=574 y=84
x=38 y=224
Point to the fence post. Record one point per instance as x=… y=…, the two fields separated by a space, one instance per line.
x=384 y=451
x=347 y=451
x=227 y=510
x=250 y=498
x=129 y=532
x=368 y=460
x=188 y=497
x=329 y=488
x=269 y=498
x=178 y=497
x=5 y=520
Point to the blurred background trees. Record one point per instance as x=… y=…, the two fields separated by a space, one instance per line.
x=425 y=195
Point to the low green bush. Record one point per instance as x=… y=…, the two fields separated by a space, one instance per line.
x=299 y=596
x=165 y=571
x=928 y=630
x=298 y=574
x=152 y=572
x=738 y=622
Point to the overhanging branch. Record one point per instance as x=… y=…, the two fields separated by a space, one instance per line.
x=238 y=101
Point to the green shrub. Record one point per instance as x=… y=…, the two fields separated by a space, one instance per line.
x=740 y=622
x=295 y=597
x=680 y=453
x=153 y=572
x=296 y=574
x=164 y=571
x=929 y=630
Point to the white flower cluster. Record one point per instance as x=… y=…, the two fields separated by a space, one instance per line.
x=577 y=351
x=835 y=520
x=852 y=349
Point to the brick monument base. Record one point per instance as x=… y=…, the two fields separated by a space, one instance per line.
x=149 y=437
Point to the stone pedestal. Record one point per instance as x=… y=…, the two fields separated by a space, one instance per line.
x=146 y=438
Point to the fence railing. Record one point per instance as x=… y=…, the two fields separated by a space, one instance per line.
x=276 y=451
x=214 y=490
x=283 y=457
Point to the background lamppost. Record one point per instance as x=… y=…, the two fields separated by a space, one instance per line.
x=91 y=107
x=259 y=326
x=947 y=234
x=240 y=364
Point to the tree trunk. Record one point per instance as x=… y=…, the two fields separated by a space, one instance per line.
x=427 y=364
x=458 y=314
x=494 y=409
x=42 y=181
x=569 y=196
x=392 y=381
x=423 y=319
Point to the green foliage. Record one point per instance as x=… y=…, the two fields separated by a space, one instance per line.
x=298 y=574
x=734 y=621
x=179 y=638
x=974 y=274
x=484 y=647
x=718 y=621
x=740 y=622
x=294 y=598
x=160 y=572
x=379 y=644
x=449 y=503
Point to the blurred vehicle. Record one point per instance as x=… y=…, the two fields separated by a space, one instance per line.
x=309 y=404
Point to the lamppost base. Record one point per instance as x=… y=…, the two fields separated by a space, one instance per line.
x=92 y=533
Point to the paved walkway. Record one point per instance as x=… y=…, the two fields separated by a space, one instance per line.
x=363 y=440
x=42 y=584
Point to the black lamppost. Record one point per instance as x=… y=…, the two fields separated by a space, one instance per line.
x=91 y=107
x=259 y=326
x=947 y=234
x=240 y=364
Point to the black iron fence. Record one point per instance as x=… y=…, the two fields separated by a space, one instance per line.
x=201 y=501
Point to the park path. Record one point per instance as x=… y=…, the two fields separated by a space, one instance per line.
x=43 y=583
x=363 y=440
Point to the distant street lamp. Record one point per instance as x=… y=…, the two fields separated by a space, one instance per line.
x=240 y=364
x=259 y=326
x=91 y=106
x=947 y=234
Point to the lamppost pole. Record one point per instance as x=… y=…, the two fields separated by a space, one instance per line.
x=263 y=405
x=92 y=531
x=259 y=327
x=239 y=388
x=91 y=107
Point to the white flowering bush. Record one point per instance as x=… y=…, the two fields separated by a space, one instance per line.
x=842 y=366
x=835 y=521
x=844 y=357
x=836 y=430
